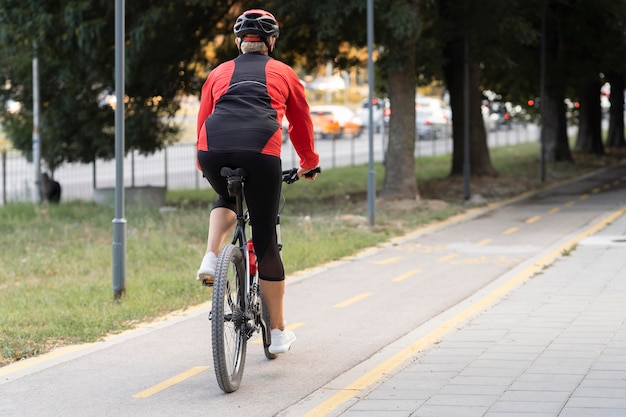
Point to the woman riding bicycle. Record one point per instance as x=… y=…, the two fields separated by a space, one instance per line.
x=242 y=106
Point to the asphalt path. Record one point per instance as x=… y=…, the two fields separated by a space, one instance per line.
x=348 y=316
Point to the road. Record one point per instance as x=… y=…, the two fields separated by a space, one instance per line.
x=347 y=316
x=175 y=167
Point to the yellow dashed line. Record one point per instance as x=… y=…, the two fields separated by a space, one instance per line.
x=570 y=203
x=533 y=219
x=406 y=275
x=484 y=242
x=596 y=190
x=353 y=300
x=388 y=261
x=170 y=382
x=510 y=231
x=584 y=196
x=554 y=210
x=606 y=186
x=447 y=257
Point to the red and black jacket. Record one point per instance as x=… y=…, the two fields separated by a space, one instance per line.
x=243 y=104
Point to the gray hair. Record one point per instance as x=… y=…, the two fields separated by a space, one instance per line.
x=247 y=47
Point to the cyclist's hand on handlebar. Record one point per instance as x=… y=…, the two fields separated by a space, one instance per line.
x=309 y=174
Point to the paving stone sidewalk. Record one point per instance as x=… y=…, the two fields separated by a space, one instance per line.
x=554 y=347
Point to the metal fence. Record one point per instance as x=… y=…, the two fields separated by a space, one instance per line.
x=175 y=166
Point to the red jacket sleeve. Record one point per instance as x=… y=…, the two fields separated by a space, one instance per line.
x=283 y=82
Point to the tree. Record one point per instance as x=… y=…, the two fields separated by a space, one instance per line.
x=75 y=46
x=319 y=30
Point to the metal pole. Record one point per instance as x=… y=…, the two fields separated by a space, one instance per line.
x=466 y=114
x=4 y=177
x=371 y=176
x=119 y=222
x=165 y=160
x=542 y=94
x=36 y=132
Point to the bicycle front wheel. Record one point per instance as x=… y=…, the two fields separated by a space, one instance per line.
x=228 y=321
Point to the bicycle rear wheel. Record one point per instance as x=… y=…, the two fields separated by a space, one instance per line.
x=228 y=321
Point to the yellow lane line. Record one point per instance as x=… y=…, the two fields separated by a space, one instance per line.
x=353 y=300
x=533 y=219
x=406 y=275
x=596 y=190
x=584 y=196
x=484 y=242
x=510 y=230
x=353 y=389
x=569 y=203
x=170 y=382
x=388 y=261
x=554 y=210
x=447 y=257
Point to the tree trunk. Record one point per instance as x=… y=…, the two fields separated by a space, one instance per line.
x=400 y=181
x=589 y=138
x=554 y=126
x=480 y=160
x=615 y=136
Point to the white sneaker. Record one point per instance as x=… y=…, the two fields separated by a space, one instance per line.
x=207 y=267
x=281 y=340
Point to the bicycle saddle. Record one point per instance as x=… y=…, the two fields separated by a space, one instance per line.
x=230 y=172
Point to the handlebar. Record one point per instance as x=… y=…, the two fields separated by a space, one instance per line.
x=291 y=175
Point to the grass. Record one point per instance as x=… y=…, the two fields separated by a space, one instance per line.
x=55 y=260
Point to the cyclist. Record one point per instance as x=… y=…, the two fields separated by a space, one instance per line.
x=242 y=106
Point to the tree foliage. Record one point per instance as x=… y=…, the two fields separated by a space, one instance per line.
x=74 y=41
x=416 y=41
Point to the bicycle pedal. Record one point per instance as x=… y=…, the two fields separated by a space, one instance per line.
x=250 y=330
x=207 y=282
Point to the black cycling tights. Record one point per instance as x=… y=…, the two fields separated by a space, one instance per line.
x=262 y=192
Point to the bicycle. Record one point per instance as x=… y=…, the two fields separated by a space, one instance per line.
x=238 y=311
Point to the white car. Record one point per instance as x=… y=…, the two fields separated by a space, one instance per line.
x=379 y=106
x=432 y=118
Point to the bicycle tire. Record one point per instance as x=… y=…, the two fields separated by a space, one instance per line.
x=228 y=322
x=266 y=318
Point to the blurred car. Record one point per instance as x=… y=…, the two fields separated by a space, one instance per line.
x=432 y=118
x=380 y=113
x=334 y=121
x=497 y=115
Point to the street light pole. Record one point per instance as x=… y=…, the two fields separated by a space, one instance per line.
x=466 y=111
x=542 y=93
x=371 y=177
x=119 y=222
x=36 y=131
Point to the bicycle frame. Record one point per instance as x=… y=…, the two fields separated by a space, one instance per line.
x=252 y=287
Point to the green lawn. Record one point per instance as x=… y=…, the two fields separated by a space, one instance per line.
x=56 y=260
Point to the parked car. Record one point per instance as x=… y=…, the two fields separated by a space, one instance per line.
x=380 y=113
x=334 y=121
x=432 y=118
